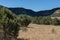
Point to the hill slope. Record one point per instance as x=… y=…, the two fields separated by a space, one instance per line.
x=33 y=13
x=53 y=12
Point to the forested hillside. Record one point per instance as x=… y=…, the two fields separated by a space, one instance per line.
x=38 y=13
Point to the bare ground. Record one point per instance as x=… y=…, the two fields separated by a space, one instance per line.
x=41 y=32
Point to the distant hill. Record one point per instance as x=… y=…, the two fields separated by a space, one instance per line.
x=56 y=12
x=51 y=12
x=23 y=11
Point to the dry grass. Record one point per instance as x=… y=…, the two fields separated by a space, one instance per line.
x=41 y=32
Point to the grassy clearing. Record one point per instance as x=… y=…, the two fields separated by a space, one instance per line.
x=41 y=32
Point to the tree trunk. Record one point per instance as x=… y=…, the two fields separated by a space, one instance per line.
x=5 y=34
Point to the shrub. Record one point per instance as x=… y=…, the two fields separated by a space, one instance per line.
x=24 y=20
x=55 y=21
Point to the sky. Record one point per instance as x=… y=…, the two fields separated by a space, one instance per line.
x=35 y=5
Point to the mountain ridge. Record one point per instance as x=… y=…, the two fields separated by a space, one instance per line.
x=33 y=13
x=20 y=10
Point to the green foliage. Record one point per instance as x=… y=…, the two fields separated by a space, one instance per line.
x=42 y=20
x=24 y=20
x=46 y=21
x=55 y=21
x=8 y=22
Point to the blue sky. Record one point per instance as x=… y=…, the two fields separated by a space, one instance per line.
x=35 y=5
